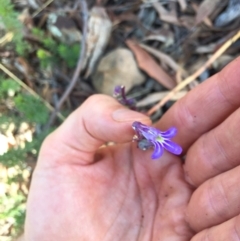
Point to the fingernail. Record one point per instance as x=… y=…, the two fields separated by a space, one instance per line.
x=123 y=115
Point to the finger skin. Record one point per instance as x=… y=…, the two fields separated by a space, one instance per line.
x=228 y=231
x=205 y=106
x=215 y=152
x=99 y=120
x=215 y=201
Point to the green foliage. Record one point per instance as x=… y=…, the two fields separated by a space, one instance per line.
x=28 y=109
x=7 y=86
x=9 y=16
x=54 y=52
x=22 y=47
x=18 y=156
x=69 y=54
x=10 y=19
x=46 y=59
x=31 y=108
x=13 y=211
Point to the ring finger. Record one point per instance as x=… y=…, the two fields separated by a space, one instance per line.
x=215 y=201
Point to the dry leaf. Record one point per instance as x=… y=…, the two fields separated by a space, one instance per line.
x=206 y=48
x=99 y=30
x=206 y=20
x=63 y=28
x=25 y=68
x=33 y=4
x=26 y=18
x=155 y=97
x=163 y=35
x=188 y=21
x=205 y=9
x=6 y=38
x=182 y=4
x=150 y=66
x=164 y=58
x=167 y=16
x=232 y=12
x=222 y=61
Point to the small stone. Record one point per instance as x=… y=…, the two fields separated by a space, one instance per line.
x=117 y=68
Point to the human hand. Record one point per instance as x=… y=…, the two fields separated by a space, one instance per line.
x=80 y=192
x=211 y=115
x=118 y=193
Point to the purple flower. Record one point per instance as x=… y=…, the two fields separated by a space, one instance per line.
x=120 y=95
x=150 y=137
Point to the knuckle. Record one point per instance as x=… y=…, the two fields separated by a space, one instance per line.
x=220 y=146
x=218 y=199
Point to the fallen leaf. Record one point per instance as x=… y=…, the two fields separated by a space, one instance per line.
x=182 y=4
x=232 y=12
x=205 y=9
x=203 y=49
x=163 y=35
x=187 y=21
x=206 y=20
x=6 y=38
x=222 y=61
x=33 y=4
x=165 y=15
x=63 y=28
x=164 y=58
x=150 y=66
x=25 y=68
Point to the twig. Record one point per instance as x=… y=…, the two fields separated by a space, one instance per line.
x=32 y=92
x=40 y=9
x=6 y=38
x=192 y=77
x=78 y=69
x=154 y=97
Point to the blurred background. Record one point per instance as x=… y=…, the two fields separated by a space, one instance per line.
x=54 y=54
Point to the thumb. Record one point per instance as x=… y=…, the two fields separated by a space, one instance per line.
x=100 y=119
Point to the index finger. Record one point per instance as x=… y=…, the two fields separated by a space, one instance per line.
x=205 y=107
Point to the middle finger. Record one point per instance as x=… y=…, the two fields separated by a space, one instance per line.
x=215 y=201
x=215 y=152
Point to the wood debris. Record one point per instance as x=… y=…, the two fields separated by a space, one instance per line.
x=99 y=30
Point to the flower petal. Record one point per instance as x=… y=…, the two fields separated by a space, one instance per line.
x=158 y=150
x=172 y=147
x=170 y=133
x=148 y=132
x=117 y=91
